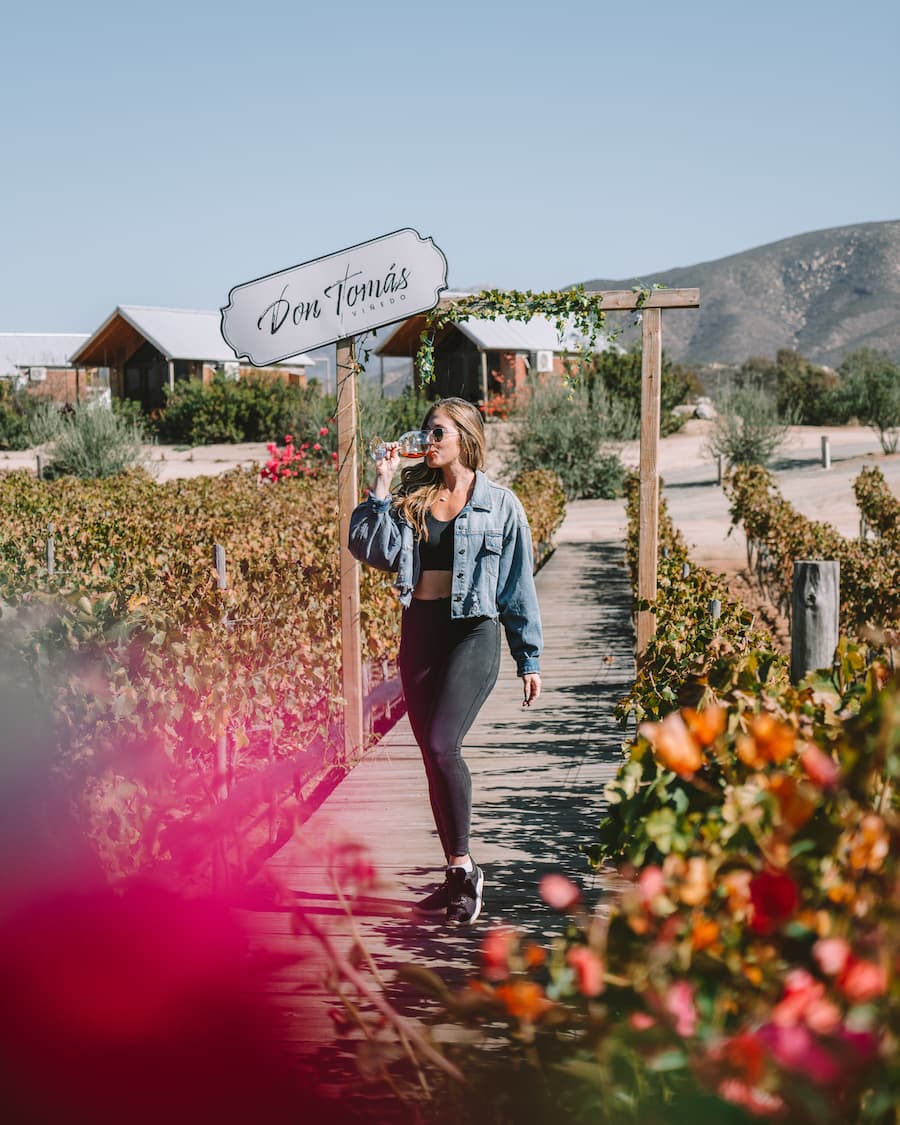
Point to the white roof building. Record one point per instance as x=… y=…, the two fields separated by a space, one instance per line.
x=20 y=351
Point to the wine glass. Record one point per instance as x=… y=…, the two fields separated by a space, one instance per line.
x=411 y=446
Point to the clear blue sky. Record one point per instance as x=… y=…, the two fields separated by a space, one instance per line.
x=159 y=153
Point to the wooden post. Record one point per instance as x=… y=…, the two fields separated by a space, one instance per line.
x=826 y=452
x=171 y=375
x=648 y=508
x=815 y=610
x=715 y=608
x=51 y=550
x=220 y=784
x=484 y=380
x=40 y=467
x=719 y=470
x=351 y=649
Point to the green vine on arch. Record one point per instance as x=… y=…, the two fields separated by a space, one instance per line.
x=567 y=308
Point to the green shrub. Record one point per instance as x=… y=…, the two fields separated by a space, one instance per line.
x=872 y=392
x=566 y=431
x=254 y=408
x=748 y=430
x=388 y=418
x=620 y=376
x=92 y=441
x=16 y=408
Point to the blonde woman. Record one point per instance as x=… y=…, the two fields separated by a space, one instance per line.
x=461 y=548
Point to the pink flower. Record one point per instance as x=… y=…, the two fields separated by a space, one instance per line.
x=832 y=955
x=679 y=1003
x=862 y=980
x=804 y=1001
x=641 y=1021
x=334 y=457
x=317 y=447
x=271 y=447
x=796 y=1049
x=758 y=1102
x=588 y=970
x=820 y=767
x=651 y=883
x=559 y=892
x=288 y=438
x=323 y=431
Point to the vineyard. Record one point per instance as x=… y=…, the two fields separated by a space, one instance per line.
x=116 y=625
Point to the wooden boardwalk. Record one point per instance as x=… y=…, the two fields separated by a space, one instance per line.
x=538 y=780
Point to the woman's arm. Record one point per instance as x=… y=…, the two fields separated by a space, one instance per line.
x=374 y=533
x=516 y=595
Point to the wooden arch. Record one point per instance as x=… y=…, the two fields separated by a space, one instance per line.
x=612 y=300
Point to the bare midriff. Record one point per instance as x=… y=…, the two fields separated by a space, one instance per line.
x=433 y=584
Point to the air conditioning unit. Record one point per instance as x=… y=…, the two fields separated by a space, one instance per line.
x=37 y=374
x=544 y=362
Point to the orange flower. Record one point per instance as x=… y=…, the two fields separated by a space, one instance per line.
x=674 y=745
x=704 y=934
x=774 y=739
x=695 y=888
x=534 y=955
x=523 y=999
x=796 y=809
x=705 y=725
x=870 y=845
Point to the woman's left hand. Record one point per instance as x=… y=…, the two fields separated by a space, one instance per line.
x=531 y=685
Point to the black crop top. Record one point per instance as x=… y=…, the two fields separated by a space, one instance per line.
x=436 y=552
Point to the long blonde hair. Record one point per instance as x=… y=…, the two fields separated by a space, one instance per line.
x=420 y=484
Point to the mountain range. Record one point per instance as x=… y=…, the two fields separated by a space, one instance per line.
x=823 y=294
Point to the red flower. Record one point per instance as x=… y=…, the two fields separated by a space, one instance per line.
x=862 y=980
x=820 y=767
x=495 y=950
x=323 y=430
x=774 y=898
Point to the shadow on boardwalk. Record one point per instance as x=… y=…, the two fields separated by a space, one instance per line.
x=538 y=780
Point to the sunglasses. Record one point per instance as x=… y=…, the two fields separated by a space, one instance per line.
x=438 y=433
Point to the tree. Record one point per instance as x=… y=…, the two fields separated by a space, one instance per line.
x=872 y=391
x=620 y=377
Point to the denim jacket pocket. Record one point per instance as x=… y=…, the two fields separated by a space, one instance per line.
x=493 y=549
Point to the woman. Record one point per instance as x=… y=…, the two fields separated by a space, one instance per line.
x=461 y=547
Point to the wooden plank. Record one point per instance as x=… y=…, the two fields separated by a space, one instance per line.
x=538 y=779
x=623 y=299
x=648 y=513
x=351 y=648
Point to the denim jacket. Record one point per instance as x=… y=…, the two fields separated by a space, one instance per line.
x=493 y=570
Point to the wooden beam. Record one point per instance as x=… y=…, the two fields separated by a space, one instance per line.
x=348 y=470
x=648 y=511
x=624 y=299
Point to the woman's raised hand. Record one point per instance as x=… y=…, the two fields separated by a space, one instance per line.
x=385 y=467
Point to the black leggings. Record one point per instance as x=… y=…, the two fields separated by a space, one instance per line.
x=448 y=668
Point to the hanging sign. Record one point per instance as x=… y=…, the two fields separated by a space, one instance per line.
x=343 y=294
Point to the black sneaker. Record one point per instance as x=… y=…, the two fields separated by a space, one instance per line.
x=466 y=892
x=435 y=905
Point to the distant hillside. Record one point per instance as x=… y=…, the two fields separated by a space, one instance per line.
x=822 y=294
